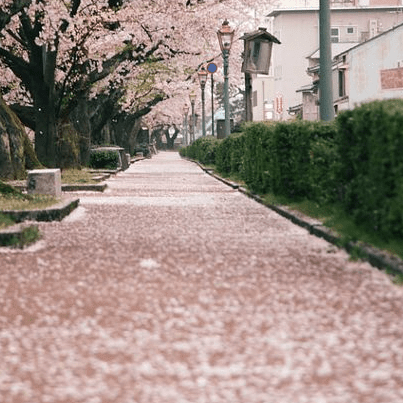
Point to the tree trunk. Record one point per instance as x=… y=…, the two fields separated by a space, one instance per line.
x=80 y=118
x=16 y=151
x=45 y=111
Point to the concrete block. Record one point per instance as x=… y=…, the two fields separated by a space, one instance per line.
x=45 y=182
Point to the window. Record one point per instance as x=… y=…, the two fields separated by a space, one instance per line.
x=254 y=98
x=342 y=83
x=350 y=30
x=334 y=35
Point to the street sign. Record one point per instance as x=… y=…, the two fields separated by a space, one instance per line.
x=211 y=67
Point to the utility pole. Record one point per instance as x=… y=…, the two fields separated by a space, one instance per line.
x=325 y=79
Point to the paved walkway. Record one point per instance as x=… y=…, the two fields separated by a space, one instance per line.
x=173 y=288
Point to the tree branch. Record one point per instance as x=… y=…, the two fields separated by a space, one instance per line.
x=15 y=8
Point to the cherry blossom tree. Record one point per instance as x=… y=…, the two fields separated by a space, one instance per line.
x=140 y=56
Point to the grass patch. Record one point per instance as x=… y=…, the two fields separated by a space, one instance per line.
x=29 y=235
x=13 y=199
x=397 y=276
x=233 y=177
x=73 y=176
x=25 y=237
x=34 y=202
x=332 y=216
x=5 y=221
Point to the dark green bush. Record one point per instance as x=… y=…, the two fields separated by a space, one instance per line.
x=202 y=150
x=142 y=148
x=278 y=158
x=290 y=160
x=256 y=144
x=104 y=159
x=325 y=184
x=370 y=146
x=229 y=154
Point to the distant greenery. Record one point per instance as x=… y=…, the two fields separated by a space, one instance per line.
x=203 y=150
x=104 y=160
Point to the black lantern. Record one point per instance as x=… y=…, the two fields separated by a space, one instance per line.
x=203 y=79
x=202 y=76
x=192 y=98
x=225 y=36
x=256 y=60
x=257 y=53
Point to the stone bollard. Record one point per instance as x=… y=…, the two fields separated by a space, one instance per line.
x=45 y=182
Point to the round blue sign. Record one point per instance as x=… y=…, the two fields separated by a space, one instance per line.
x=212 y=67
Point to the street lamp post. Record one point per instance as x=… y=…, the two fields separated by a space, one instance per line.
x=325 y=62
x=192 y=97
x=203 y=79
x=225 y=36
x=212 y=68
x=185 y=124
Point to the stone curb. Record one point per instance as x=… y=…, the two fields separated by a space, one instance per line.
x=53 y=213
x=376 y=257
x=90 y=187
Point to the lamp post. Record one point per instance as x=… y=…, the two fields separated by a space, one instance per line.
x=212 y=68
x=225 y=36
x=203 y=79
x=185 y=124
x=325 y=62
x=192 y=97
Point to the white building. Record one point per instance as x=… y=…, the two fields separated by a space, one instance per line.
x=371 y=70
x=298 y=31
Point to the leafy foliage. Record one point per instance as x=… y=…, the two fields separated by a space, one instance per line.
x=104 y=160
x=203 y=150
x=370 y=146
x=229 y=154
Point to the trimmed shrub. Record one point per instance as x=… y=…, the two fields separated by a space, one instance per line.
x=256 y=145
x=229 y=154
x=278 y=158
x=370 y=146
x=104 y=159
x=202 y=150
x=142 y=148
x=324 y=182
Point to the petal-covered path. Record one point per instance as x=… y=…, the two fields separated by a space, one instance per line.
x=173 y=288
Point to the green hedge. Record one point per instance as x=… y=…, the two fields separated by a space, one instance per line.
x=104 y=159
x=356 y=160
x=230 y=154
x=370 y=146
x=288 y=158
x=202 y=150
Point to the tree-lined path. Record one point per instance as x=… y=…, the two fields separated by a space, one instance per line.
x=173 y=288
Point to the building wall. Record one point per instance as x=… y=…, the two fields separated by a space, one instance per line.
x=262 y=104
x=311 y=109
x=298 y=31
x=375 y=68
